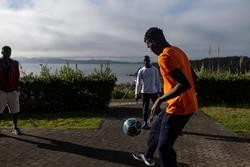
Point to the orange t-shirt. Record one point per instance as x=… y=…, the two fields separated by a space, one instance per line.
x=170 y=59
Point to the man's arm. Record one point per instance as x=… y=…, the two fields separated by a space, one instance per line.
x=158 y=81
x=138 y=85
x=181 y=86
x=157 y=78
x=18 y=77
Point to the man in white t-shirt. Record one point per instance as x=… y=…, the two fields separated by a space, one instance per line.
x=148 y=86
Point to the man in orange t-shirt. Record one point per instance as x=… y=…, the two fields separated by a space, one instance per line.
x=179 y=93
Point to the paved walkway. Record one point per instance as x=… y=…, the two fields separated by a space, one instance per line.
x=203 y=143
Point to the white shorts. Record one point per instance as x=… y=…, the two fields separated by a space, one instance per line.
x=11 y=100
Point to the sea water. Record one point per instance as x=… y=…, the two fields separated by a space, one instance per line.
x=125 y=73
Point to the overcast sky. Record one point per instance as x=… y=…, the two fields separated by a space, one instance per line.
x=114 y=29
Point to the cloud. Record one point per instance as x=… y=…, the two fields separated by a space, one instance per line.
x=115 y=28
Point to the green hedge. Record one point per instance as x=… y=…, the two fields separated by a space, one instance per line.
x=223 y=90
x=66 y=90
x=212 y=88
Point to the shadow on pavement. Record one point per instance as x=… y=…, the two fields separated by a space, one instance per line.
x=219 y=137
x=114 y=156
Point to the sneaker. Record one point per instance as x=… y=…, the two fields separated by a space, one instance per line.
x=141 y=157
x=145 y=126
x=16 y=131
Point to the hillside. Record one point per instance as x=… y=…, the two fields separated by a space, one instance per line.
x=232 y=64
x=53 y=60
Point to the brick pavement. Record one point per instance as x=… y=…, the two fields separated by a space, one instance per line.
x=204 y=143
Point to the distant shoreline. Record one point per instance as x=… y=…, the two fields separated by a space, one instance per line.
x=230 y=63
x=71 y=61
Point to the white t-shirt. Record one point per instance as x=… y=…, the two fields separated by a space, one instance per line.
x=148 y=81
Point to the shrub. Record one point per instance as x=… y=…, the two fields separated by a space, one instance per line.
x=212 y=88
x=223 y=89
x=66 y=89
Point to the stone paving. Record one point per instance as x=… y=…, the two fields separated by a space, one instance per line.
x=203 y=143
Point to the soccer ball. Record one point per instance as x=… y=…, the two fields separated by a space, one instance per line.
x=132 y=127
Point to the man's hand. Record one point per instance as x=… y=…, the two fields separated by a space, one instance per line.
x=155 y=108
x=137 y=97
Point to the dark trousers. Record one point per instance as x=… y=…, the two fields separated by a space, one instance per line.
x=163 y=133
x=146 y=97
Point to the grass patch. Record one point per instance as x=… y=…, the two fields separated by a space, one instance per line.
x=236 y=119
x=65 y=120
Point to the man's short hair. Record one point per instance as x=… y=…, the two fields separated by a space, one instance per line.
x=6 y=48
x=152 y=33
x=146 y=58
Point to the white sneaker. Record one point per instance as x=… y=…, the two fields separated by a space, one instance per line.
x=16 y=131
x=141 y=157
